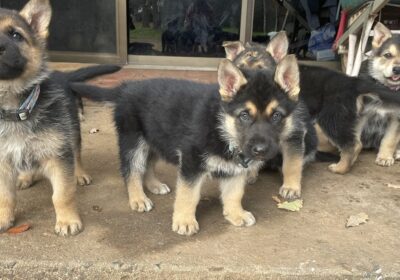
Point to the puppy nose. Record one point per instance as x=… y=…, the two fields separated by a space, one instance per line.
x=396 y=70
x=259 y=149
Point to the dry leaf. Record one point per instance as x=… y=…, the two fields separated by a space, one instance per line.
x=94 y=130
x=276 y=199
x=294 y=205
x=393 y=186
x=19 y=229
x=356 y=220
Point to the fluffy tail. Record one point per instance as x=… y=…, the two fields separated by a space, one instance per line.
x=95 y=93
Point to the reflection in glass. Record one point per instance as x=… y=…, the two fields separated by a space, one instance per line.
x=182 y=27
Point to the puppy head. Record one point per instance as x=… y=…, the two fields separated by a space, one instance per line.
x=23 y=42
x=256 y=105
x=257 y=56
x=384 y=64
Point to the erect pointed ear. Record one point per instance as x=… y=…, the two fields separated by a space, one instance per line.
x=233 y=49
x=230 y=79
x=37 y=14
x=287 y=76
x=278 y=46
x=381 y=34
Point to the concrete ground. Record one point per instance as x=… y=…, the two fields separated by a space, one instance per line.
x=118 y=243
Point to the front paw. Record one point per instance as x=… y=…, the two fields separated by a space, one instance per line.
x=70 y=226
x=83 y=179
x=290 y=192
x=24 y=181
x=185 y=225
x=384 y=161
x=338 y=168
x=240 y=218
x=142 y=204
x=6 y=219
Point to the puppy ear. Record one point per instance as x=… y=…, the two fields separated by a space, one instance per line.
x=233 y=49
x=230 y=79
x=287 y=76
x=278 y=46
x=381 y=34
x=37 y=14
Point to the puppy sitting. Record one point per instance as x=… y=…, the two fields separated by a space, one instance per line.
x=382 y=129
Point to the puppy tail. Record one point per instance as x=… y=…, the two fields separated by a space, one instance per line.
x=376 y=96
x=95 y=93
x=91 y=72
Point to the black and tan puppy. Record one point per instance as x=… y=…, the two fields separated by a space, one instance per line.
x=339 y=104
x=39 y=126
x=382 y=129
x=220 y=130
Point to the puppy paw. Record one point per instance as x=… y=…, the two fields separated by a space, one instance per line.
x=83 y=179
x=384 y=161
x=66 y=227
x=142 y=204
x=81 y=117
x=6 y=219
x=397 y=155
x=290 y=192
x=159 y=189
x=251 y=179
x=240 y=218
x=24 y=182
x=338 y=169
x=185 y=225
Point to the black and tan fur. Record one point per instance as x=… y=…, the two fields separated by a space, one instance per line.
x=48 y=142
x=382 y=129
x=220 y=130
x=339 y=104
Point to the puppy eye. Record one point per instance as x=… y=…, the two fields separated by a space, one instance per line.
x=16 y=36
x=276 y=117
x=388 y=55
x=244 y=116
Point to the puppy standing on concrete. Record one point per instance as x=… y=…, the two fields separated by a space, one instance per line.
x=339 y=104
x=220 y=130
x=39 y=125
x=382 y=130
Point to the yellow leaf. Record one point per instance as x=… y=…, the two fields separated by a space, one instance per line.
x=294 y=205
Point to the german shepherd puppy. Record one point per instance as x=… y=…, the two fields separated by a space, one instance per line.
x=39 y=126
x=222 y=130
x=382 y=129
x=339 y=104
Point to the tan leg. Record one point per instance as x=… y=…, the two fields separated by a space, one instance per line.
x=137 y=198
x=292 y=170
x=187 y=197
x=232 y=191
x=7 y=197
x=151 y=181
x=82 y=177
x=64 y=187
x=252 y=176
x=324 y=145
x=387 y=149
x=347 y=159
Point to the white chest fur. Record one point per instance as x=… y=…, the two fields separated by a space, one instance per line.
x=21 y=147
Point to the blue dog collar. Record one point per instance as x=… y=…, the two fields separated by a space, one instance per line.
x=25 y=110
